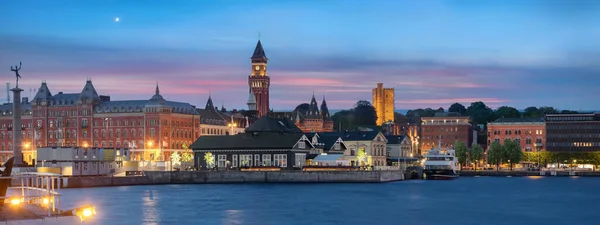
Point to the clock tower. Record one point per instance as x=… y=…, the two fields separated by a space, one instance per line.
x=258 y=81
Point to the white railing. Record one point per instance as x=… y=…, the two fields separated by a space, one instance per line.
x=36 y=191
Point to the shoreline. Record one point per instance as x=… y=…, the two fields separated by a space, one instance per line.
x=493 y=173
x=233 y=177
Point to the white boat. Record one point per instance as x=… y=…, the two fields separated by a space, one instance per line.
x=440 y=165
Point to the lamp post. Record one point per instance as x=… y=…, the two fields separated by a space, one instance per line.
x=231 y=126
x=107 y=121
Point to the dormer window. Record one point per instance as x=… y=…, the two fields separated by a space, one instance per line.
x=302 y=144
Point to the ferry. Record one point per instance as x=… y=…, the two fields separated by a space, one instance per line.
x=440 y=165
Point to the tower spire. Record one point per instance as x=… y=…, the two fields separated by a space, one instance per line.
x=157 y=91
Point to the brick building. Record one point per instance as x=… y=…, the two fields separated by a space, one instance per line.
x=151 y=128
x=445 y=128
x=308 y=117
x=528 y=132
x=573 y=132
x=383 y=102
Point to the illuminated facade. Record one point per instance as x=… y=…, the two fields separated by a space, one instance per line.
x=573 y=132
x=152 y=129
x=383 y=101
x=259 y=82
x=528 y=132
x=445 y=129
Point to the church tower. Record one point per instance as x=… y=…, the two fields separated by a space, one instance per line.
x=258 y=81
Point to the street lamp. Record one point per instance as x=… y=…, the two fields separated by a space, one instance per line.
x=231 y=126
x=107 y=121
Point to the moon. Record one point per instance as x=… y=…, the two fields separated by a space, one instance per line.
x=117 y=19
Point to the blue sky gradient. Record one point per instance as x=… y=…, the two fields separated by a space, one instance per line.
x=510 y=52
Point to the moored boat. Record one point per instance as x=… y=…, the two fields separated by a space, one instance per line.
x=440 y=165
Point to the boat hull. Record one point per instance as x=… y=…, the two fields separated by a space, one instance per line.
x=440 y=175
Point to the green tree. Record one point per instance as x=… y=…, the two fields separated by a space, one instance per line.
x=365 y=114
x=175 y=159
x=361 y=156
x=475 y=154
x=480 y=113
x=458 y=108
x=187 y=157
x=507 y=112
x=209 y=158
x=440 y=110
x=343 y=120
x=548 y=110
x=512 y=152
x=494 y=155
x=461 y=152
x=532 y=112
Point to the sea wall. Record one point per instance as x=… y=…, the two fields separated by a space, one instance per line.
x=502 y=173
x=222 y=177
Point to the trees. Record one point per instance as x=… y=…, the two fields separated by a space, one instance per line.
x=494 y=155
x=458 y=108
x=475 y=154
x=532 y=112
x=507 y=112
x=512 y=152
x=175 y=159
x=461 y=153
x=480 y=113
x=363 y=114
x=209 y=158
x=361 y=156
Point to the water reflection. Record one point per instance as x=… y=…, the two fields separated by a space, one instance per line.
x=233 y=217
x=150 y=213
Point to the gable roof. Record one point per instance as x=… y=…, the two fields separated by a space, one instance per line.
x=273 y=125
x=247 y=141
x=394 y=139
x=329 y=141
x=353 y=135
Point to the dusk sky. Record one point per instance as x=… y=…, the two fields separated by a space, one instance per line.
x=434 y=53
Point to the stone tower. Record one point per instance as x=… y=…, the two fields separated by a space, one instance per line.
x=383 y=101
x=258 y=81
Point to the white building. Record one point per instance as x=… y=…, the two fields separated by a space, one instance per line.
x=78 y=161
x=399 y=149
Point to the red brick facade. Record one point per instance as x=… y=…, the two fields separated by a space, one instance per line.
x=446 y=130
x=86 y=119
x=530 y=133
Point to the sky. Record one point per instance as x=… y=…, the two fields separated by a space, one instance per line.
x=508 y=52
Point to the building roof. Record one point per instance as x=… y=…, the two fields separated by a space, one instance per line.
x=328 y=141
x=273 y=125
x=253 y=141
x=259 y=52
x=394 y=139
x=352 y=135
x=325 y=110
x=313 y=109
x=519 y=120
x=7 y=108
x=333 y=157
x=138 y=106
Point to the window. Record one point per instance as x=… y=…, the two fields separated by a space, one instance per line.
x=222 y=161
x=528 y=141
x=280 y=160
x=234 y=161
x=256 y=160
x=300 y=160
x=245 y=160
x=302 y=144
x=266 y=160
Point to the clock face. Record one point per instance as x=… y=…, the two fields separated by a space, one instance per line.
x=257 y=68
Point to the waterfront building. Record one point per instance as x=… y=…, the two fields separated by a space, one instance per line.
x=258 y=81
x=413 y=132
x=383 y=102
x=573 y=132
x=327 y=149
x=373 y=143
x=308 y=117
x=78 y=161
x=530 y=133
x=153 y=128
x=267 y=142
x=447 y=128
x=398 y=149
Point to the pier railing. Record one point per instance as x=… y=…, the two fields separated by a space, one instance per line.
x=37 y=192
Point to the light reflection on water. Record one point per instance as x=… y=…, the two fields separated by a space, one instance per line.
x=483 y=200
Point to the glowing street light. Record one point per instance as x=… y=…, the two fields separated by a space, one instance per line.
x=231 y=126
x=15 y=201
x=85 y=212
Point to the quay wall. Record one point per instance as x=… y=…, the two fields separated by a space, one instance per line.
x=223 y=177
x=493 y=173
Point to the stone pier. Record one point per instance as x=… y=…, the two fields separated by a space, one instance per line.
x=16 y=128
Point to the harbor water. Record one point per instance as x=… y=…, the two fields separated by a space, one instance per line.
x=468 y=200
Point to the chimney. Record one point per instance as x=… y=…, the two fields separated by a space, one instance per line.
x=24 y=100
x=60 y=92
